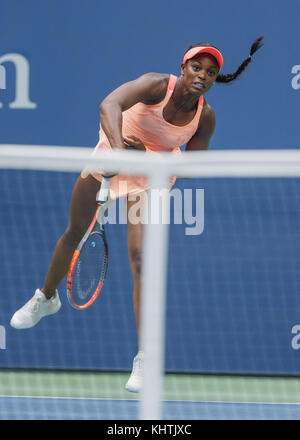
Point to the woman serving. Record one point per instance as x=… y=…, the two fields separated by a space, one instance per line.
x=154 y=113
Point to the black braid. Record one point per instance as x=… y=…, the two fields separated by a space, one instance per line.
x=231 y=76
x=226 y=78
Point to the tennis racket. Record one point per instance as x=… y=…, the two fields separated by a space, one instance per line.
x=88 y=266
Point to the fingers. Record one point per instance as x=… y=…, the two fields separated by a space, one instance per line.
x=134 y=138
x=138 y=147
x=132 y=142
x=108 y=176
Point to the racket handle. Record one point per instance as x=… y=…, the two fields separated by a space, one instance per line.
x=103 y=193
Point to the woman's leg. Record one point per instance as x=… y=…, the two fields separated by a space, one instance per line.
x=82 y=209
x=135 y=243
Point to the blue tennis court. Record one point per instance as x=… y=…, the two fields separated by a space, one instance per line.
x=45 y=408
x=65 y=395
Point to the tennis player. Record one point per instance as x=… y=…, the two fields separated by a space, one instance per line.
x=155 y=112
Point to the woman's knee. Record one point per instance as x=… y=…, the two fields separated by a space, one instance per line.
x=73 y=235
x=82 y=209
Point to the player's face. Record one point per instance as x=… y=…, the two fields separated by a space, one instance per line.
x=200 y=73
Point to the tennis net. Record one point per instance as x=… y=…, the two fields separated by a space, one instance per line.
x=220 y=321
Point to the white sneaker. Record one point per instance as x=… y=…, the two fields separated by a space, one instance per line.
x=134 y=383
x=37 y=307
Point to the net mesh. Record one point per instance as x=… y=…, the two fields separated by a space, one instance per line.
x=232 y=314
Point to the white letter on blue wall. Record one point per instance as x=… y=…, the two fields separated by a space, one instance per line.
x=22 y=100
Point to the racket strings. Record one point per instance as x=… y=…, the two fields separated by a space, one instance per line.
x=91 y=262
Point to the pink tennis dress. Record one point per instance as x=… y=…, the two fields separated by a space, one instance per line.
x=147 y=123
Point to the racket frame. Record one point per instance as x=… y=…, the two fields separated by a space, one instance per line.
x=103 y=202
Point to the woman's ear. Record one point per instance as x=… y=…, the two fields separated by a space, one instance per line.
x=183 y=69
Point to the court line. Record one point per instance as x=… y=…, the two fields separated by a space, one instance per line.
x=137 y=400
x=69 y=398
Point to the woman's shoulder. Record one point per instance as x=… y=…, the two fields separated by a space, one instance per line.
x=207 y=110
x=158 y=83
x=208 y=117
x=158 y=78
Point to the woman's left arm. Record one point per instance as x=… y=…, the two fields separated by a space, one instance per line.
x=206 y=127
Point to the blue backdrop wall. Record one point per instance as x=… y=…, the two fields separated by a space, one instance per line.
x=241 y=284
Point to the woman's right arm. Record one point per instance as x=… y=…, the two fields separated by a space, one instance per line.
x=150 y=87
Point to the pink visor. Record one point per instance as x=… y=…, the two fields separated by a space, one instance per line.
x=204 y=49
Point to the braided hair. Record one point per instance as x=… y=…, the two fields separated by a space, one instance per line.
x=226 y=78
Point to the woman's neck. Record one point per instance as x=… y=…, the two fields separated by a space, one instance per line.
x=182 y=99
